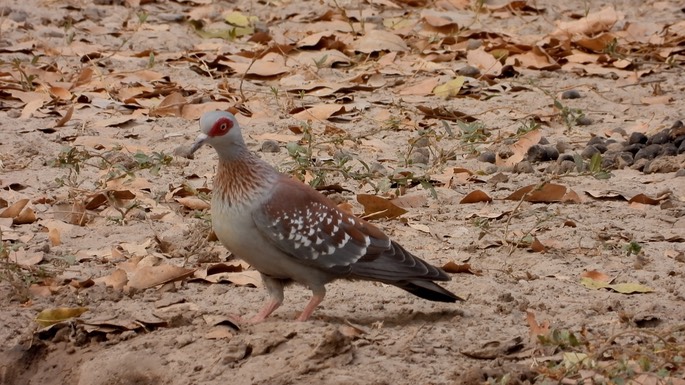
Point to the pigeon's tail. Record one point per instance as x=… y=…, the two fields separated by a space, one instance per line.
x=428 y=290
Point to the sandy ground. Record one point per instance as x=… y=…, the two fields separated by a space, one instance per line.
x=363 y=333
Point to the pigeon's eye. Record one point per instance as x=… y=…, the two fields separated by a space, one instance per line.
x=223 y=127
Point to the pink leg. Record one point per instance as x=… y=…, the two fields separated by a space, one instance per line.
x=313 y=303
x=275 y=289
x=268 y=308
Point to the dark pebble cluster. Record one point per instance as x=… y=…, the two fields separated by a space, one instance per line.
x=638 y=152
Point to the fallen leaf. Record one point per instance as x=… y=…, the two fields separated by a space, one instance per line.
x=376 y=207
x=597 y=276
x=519 y=149
x=449 y=89
x=149 y=276
x=547 y=193
x=378 y=40
x=475 y=196
x=460 y=268
x=25 y=258
x=52 y=316
x=536 y=329
x=193 y=203
x=117 y=280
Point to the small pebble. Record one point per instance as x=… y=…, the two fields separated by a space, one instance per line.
x=270 y=145
x=589 y=152
x=640 y=164
x=469 y=71
x=491 y=169
x=566 y=157
x=680 y=173
x=637 y=137
x=677 y=125
x=634 y=148
x=624 y=159
x=681 y=149
x=583 y=121
x=567 y=166
x=614 y=147
x=417 y=157
x=570 y=94
x=660 y=137
x=524 y=167
x=539 y=153
x=649 y=152
x=679 y=140
x=473 y=44
x=668 y=149
x=596 y=140
x=563 y=145
x=487 y=156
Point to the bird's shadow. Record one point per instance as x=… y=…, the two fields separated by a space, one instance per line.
x=389 y=319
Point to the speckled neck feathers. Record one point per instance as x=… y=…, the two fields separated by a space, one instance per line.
x=241 y=179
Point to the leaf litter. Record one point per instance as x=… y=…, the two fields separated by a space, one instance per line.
x=109 y=227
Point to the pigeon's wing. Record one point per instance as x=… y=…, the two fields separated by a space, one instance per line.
x=307 y=226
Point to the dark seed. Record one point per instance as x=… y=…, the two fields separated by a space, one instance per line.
x=589 y=151
x=649 y=152
x=570 y=94
x=660 y=137
x=487 y=156
x=583 y=121
x=637 y=137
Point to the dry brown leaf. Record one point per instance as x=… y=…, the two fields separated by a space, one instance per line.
x=519 y=149
x=484 y=61
x=172 y=105
x=54 y=236
x=319 y=112
x=195 y=111
x=592 y=24
x=15 y=209
x=60 y=93
x=243 y=278
x=378 y=40
x=220 y=332
x=644 y=199
x=460 y=268
x=376 y=207
x=536 y=329
x=659 y=99
x=475 y=196
x=268 y=66
x=30 y=108
x=422 y=88
x=149 y=276
x=26 y=258
x=52 y=316
x=74 y=214
x=67 y=116
x=410 y=201
x=117 y=280
x=597 y=276
x=193 y=203
x=537 y=246
x=547 y=193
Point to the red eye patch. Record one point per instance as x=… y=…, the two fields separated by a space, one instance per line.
x=221 y=127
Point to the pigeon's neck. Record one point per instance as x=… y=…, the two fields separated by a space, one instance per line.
x=242 y=178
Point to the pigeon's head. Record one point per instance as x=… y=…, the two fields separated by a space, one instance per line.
x=221 y=130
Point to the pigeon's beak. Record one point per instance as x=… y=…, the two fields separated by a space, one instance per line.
x=201 y=139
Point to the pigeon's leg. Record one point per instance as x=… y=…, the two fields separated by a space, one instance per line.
x=275 y=289
x=317 y=297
